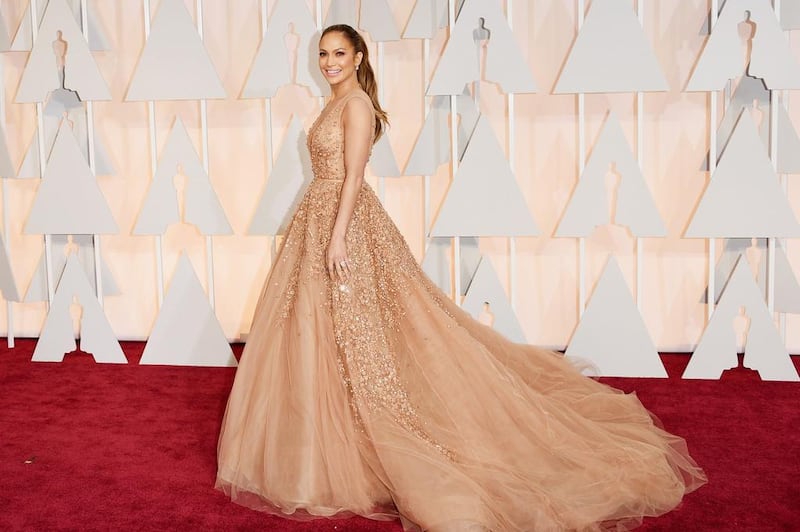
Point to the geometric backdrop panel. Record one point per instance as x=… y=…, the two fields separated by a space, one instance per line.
x=723 y=58
x=601 y=63
x=181 y=191
x=59 y=35
x=611 y=190
x=484 y=198
x=744 y=198
x=460 y=61
x=285 y=50
x=174 y=64
x=611 y=335
x=741 y=310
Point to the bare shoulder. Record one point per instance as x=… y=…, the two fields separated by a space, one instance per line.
x=358 y=108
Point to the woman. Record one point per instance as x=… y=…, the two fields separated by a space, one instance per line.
x=363 y=390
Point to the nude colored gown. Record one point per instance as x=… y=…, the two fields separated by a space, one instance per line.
x=380 y=397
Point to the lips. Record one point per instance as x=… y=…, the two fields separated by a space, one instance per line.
x=333 y=72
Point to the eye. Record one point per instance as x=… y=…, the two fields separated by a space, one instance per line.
x=340 y=53
x=322 y=54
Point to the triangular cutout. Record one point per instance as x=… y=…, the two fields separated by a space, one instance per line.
x=186 y=331
x=342 y=12
x=487 y=302
x=377 y=19
x=788 y=142
x=790 y=15
x=436 y=263
x=764 y=349
x=23 y=39
x=611 y=195
x=459 y=63
x=285 y=185
x=171 y=199
x=484 y=198
x=382 y=162
x=5 y=42
x=612 y=335
x=271 y=70
x=787 y=288
x=744 y=198
x=80 y=72
x=749 y=93
x=722 y=58
x=174 y=64
x=432 y=148
x=74 y=301
x=29 y=169
x=6 y=166
x=82 y=247
x=624 y=63
x=427 y=17
x=68 y=200
x=7 y=283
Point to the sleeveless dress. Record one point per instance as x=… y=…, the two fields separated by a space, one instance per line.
x=380 y=397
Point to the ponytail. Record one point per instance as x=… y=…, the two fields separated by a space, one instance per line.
x=365 y=75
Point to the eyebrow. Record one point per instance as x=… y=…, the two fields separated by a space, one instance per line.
x=334 y=50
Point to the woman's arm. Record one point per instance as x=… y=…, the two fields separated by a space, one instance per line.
x=357 y=126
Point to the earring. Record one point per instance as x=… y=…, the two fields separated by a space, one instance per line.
x=357 y=67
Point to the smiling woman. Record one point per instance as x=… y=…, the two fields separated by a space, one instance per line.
x=363 y=389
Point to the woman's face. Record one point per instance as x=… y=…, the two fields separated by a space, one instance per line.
x=337 y=58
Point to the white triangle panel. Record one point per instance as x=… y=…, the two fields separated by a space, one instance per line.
x=432 y=148
x=486 y=288
x=505 y=64
x=764 y=349
x=744 y=197
x=788 y=141
x=590 y=206
x=6 y=166
x=484 y=198
x=83 y=248
x=377 y=19
x=285 y=186
x=74 y=300
x=272 y=70
x=722 y=58
x=7 y=283
x=427 y=17
x=790 y=15
x=599 y=63
x=97 y=38
x=612 y=335
x=186 y=331
x=69 y=201
x=436 y=263
x=174 y=64
x=81 y=73
x=342 y=12
x=5 y=42
x=161 y=206
x=382 y=162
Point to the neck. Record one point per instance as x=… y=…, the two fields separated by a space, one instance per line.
x=340 y=89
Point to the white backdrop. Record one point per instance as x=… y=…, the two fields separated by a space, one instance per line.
x=546 y=166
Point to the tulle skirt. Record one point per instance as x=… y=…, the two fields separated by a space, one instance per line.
x=380 y=397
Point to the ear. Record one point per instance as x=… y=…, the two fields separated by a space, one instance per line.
x=359 y=57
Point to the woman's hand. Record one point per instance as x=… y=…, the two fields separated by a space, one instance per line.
x=336 y=259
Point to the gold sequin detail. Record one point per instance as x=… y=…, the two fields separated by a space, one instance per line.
x=365 y=307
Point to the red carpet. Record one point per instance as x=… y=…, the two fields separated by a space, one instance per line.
x=100 y=447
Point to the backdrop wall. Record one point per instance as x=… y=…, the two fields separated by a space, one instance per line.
x=676 y=141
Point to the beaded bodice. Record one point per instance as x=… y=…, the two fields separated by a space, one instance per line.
x=326 y=139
